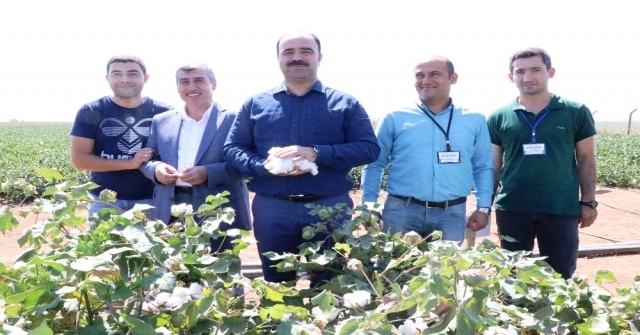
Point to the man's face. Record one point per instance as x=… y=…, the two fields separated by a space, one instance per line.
x=126 y=79
x=299 y=58
x=433 y=82
x=195 y=87
x=530 y=75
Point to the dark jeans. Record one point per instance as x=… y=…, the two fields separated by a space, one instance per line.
x=278 y=224
x=557 y=237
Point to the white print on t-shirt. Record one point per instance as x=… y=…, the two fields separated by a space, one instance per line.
x=107 y=156
x=129 y=133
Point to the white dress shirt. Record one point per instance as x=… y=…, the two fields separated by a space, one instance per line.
x=191 y=133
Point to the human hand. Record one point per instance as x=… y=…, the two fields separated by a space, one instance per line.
x=166 y=174
x=194 y=175
x=587 y=216
x=297 y=152
x=142 y=156
x=477 y=221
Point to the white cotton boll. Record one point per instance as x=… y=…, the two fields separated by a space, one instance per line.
x=162 y=330
x=354 y=264
x=279 y=165
x=177 y=210
x=176 y=301
x=326 y=316
x=181 y=291
x=188 y=210
x=408 y=328
x=195 y=290
x=357 y=299
x=306 y=165
x=162 y=298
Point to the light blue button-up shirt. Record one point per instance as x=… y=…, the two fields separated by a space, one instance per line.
x=410 y=141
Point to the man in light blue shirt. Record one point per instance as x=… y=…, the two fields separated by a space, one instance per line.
x=435 y=153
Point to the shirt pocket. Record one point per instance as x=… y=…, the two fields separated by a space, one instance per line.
x=327 y=126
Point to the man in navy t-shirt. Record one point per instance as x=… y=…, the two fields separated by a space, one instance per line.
x=109 y=134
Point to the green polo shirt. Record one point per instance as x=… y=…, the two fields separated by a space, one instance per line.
x=545 y=183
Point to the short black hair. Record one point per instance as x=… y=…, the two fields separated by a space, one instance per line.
x=127 y=59
x=315 y=38
x=531 y=52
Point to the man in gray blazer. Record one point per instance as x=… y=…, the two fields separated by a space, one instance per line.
x=188 y=161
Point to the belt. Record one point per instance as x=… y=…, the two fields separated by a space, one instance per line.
x=299 y=197
x=184 y=190
x=433 y=204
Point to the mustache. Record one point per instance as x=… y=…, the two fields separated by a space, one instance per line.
x=297 y=62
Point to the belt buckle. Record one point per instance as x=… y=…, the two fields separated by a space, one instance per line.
x=428 y=204
x=295 y=197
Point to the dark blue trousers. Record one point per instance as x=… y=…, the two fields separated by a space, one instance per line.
x=557 y=237
x=278 y=227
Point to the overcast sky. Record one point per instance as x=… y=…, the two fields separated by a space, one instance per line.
x=53 y=53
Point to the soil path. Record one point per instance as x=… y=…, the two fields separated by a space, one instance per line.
x=618 y=220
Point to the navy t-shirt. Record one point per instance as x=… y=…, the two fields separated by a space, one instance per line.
x=118 y=132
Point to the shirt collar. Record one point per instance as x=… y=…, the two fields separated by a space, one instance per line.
x=444 y=112
x=205 y=116
x=283 y=88
x=555 y=103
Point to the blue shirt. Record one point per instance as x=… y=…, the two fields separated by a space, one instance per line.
x=410 y=142
x=332 y=121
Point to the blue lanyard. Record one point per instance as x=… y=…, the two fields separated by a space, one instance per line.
x=534 y=126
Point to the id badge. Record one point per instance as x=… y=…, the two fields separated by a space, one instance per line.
x=534 y=149
x=448 y=157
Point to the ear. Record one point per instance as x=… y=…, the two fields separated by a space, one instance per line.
x=146 y=77
x=511 y=77
x=214 y=85
x=319 y=58
x=552 y=72
x=454 y=78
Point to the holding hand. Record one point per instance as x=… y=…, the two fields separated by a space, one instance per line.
x=166 y=174
x=194 y=175
x=142 y=156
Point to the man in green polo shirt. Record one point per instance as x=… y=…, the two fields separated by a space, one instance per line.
x=545 y=169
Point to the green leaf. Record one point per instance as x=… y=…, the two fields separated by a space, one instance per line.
x=89 y=263
x=603 y=275
x=49 y=174
x=595 y=325
x=42 y=329
x=27 y=297
x=139 y=327
x=138 y=237
x=325 y=300
x=193 y=231
x=543 y=313
x=8 y=222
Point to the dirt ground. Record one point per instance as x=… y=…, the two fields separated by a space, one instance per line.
x=618 y=220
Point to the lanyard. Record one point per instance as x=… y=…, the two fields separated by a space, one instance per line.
x=446 y=133
x=534 y=126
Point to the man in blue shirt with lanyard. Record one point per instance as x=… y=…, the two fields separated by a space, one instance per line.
x=307 y=120
x=545 y=165
x=435 y=153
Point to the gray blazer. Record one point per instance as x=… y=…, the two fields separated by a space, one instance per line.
x=163 y=139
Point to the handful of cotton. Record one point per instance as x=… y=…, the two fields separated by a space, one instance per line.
x=285 y=165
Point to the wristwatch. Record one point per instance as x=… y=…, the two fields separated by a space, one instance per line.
x=592 y=203
x=485 y=210
x=315 y=149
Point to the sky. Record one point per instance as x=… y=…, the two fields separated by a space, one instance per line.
x=54 y=53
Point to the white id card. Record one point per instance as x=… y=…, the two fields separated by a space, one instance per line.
x=448 y=157
x=534 y=149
